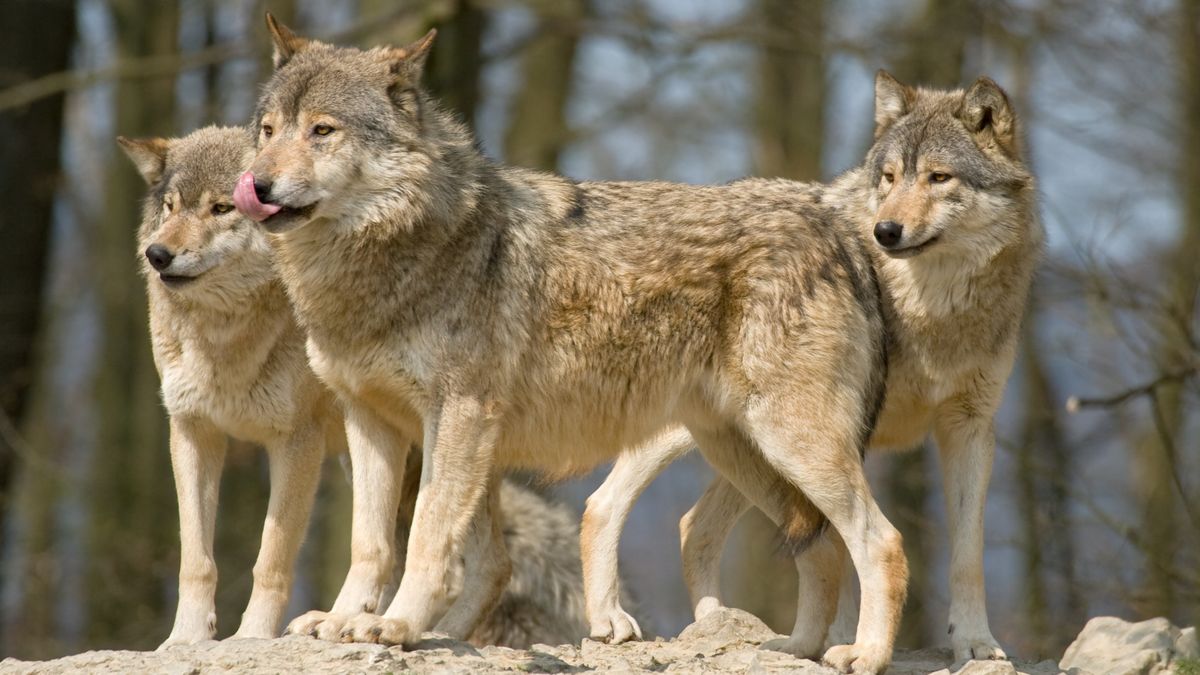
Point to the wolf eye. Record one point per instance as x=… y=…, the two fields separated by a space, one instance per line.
x=322 y=130
x=267 y=130
x=167 y=205
x=221 y=209
x=938 y=177
x=888 y=176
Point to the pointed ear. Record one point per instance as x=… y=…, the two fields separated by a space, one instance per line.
x=149 y=155
x=408 y=62
x=893 y=100
x=989 y=116
x=287 y=43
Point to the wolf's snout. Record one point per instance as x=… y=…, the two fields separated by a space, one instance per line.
x=247 y=196
x=888 y=233
x=160 y=256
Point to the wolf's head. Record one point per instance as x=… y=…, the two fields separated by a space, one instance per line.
x=344 y=135
x=192 y=239
x=946 y=171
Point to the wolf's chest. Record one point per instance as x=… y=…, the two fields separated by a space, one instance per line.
x=258 y=407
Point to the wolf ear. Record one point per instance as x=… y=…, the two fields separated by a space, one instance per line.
x=149 y=155
x=989 y=116
x=408 y=62
x=287 y=43
x=893 y=100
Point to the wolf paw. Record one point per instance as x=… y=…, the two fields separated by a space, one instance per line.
x=321 y=625
x=191 y=632
x=858 y=658
x=379 y=630
x=983 y=648
x=616 y=627
x=800 y=647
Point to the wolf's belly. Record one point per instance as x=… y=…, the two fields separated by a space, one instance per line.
x=571 y=434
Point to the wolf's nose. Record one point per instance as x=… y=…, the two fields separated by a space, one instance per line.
x=160 y=256
x=888 y=232
x=262 y=188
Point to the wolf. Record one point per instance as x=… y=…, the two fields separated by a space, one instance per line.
x=517 y=319
x=232 y=361
x=948 y=209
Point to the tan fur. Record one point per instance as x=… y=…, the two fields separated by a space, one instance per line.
x=518 y=319
x=232 y=361
x=952 y=314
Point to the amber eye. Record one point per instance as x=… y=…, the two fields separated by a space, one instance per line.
x=888 y=177
x=938 y=177
x=322 y=130
x=221 y=209
x=267 y=130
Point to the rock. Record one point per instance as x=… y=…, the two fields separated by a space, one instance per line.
x=1111 y=646
x=725 y=628
x=1187 y=646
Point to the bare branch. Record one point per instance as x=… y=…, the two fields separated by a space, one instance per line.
x=1075 y=403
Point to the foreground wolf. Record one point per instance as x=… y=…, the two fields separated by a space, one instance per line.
x=232 y=362
x=518 y=319
x=948 y=209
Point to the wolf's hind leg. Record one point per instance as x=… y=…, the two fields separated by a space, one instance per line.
x=822 y=458
x=295 y=472
x=487 y=570
x=702 y=534
x=744 y=471
x=197 y=457
x=604 y=518
x=377 y=459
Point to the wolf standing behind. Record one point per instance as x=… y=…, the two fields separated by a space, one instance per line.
x=232 y=362
x=231 y=359
x=512 y=318
x=948 y=209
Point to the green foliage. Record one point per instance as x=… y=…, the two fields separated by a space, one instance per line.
x=1187 y=667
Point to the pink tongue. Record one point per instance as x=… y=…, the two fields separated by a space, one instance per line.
x=246 y=200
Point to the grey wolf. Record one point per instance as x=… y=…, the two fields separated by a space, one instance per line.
x=947 y=207
x=512 y=318
x=232 y=362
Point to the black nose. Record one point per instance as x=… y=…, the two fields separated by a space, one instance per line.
x=888 y=232
x=262 y=188
x=160 y=256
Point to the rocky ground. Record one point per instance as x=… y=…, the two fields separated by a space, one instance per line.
x=726 y=642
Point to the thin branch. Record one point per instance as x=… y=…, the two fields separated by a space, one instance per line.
x=1075 y=403
x=168 y=64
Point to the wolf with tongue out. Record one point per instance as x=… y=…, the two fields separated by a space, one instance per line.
x=515 y=319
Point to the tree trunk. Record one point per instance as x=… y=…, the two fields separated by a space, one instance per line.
x=134 y=533
x=455 y=65
x=35 y=39
x=537 y=128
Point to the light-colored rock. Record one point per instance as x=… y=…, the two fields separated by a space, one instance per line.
x=728 y=641
x=1111 y=646
x=1187 y=645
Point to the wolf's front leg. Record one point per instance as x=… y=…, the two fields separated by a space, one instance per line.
x=295 y=472
x=197 y=457
x=456 y=471
x=600 y=535
x=966 y=443
x=377 y=457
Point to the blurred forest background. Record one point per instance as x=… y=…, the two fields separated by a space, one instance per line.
x=1096 y=511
